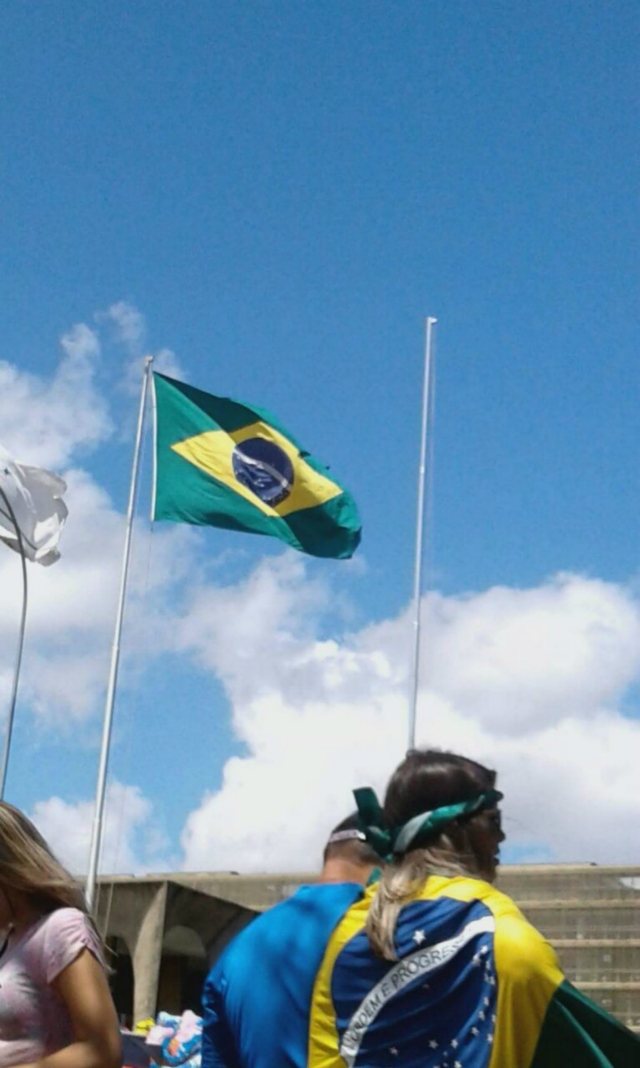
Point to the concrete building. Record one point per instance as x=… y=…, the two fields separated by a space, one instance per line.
x=164 y=931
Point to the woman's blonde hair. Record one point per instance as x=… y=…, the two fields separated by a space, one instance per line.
x=28 y=866
x=425 y=780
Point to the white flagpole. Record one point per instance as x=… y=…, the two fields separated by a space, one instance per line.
x=96 y=834
x=417 y=586
x=16 y=670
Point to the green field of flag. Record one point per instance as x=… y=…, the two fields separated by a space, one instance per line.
x=220 y=463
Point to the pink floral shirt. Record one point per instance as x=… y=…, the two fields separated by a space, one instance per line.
x=34 y=1022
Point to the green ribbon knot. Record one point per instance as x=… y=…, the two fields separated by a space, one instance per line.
x=390 y=842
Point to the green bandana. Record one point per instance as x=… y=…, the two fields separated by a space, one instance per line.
x=396 y=841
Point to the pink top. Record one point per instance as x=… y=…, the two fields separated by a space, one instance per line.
x=33 y=1020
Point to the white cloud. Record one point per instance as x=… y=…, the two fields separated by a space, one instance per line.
x=129 y=323
x=167 y=363
x=522 y=658
x=71 y=610
x=45 y=421
x=72 y=606
x=131 y=840
x=529 y=681
x=247 y=633
x=130 y=328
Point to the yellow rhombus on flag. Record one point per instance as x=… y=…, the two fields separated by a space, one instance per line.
x=220 y=463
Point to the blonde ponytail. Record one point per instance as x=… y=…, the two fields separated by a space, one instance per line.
x=400 y=881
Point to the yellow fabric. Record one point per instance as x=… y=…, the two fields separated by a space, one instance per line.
x=212 y=452
x=526 y=965
x=144 y=1026
x=323 y=1035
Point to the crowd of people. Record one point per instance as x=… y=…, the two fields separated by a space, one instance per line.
x=402 y=954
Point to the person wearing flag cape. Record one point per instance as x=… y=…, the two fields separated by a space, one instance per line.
x=435 y=967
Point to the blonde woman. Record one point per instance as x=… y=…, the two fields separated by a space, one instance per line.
x=438 y=969
x=55 y=1006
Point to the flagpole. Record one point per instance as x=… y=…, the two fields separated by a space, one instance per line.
x=422 y=474
x=96 y=834
x=16 y=670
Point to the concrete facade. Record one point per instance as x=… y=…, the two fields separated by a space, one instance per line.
x=165 y=930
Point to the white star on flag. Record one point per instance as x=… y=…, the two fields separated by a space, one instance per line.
x=419 y=937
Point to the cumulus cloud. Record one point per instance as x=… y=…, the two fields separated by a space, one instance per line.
x=132 y=842
x=52 y=421
x=129 y=323
x=516 y=659
x=66 y=657
x=45 y=421
x=130 y=329
x=528 y=681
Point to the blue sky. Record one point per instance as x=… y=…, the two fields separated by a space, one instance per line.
x=283 y=193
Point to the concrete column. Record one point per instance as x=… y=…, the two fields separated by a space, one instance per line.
x=147 y=956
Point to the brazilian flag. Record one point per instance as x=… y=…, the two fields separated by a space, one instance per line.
x=222 y=464
x=474 y=986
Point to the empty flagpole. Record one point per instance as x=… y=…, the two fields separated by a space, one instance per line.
x=16 y=670
x=422 y=474
x=96 y=834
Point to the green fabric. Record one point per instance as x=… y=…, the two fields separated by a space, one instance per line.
x=187 y=493
x=577 y=1033
x=427 y=824
x=371 y=822
x=394 y=841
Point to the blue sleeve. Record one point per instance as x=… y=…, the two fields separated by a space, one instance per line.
x=218 y=1048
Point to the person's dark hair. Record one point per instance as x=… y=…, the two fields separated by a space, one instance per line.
x=425 y=780
x=429 y=778
x=346 y=842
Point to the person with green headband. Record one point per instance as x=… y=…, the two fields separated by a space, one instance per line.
x=435 y=967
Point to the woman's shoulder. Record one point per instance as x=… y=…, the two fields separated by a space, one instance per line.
x=70 y=920
x=64 y=927
x=61 y=935
x=521 y=950
x=468 y=888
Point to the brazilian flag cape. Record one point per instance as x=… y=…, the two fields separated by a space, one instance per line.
x=474 y=986
x=219 y=463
